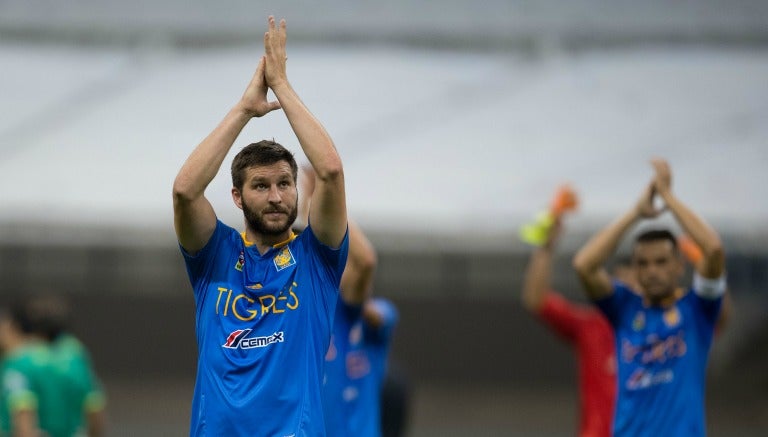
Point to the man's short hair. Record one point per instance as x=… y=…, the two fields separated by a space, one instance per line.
x=265 y=152
x=657 y=235
x=44 y=315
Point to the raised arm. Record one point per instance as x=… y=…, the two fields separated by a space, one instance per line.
x=194 y=218
x=25 y=423
x=328 y=211
x=357 y=279
x=538 y=274
x=712 y=264
x=96 y=423
x=590 y=260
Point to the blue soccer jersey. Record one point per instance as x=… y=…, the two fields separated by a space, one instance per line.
x=662 y=358
x=354 y=370
x=263 y=326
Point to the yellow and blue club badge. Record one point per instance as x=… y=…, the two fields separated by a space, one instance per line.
x=284 y=259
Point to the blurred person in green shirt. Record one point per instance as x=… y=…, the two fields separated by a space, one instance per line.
x=34 y=393
x=47 y=318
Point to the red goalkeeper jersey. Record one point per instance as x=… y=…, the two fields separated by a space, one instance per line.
x=590 y=333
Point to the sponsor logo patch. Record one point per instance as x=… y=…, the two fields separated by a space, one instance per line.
x=643 y=378
x=239 y=340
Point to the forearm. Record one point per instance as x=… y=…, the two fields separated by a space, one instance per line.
x=536 y=283
x=593 y=255
x=713 y=263
x=589 y=261
x=357 y=279
x=25 y=424
x=313 y=138
x=205 y=161
x=328 y=212
x=96 y=422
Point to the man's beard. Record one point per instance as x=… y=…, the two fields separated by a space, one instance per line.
x=257 y=223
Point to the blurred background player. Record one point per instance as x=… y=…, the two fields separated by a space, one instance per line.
x=39 y=395
x=48 y=318
x=624 y=271
x=25 y=366
x=663 y=335
x=356 y=361
x=583 y=326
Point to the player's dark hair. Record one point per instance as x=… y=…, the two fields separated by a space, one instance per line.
x=17 y=313
x=657 y=235
x=45 y=315
x=265 y=152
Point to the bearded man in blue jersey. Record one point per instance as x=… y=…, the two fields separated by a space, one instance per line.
x=664 y=332
x=265 y=298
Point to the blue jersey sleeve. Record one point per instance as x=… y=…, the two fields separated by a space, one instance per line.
x=385 y=309
x=708 y=308
x=388 y=313
x=709 y=296
x=613 y=305
x=200 y=266
x=327 y=267
x=332 y=259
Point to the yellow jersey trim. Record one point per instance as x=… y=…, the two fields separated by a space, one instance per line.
x=275 y=246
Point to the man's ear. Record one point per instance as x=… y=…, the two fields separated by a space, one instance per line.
x=237 y=197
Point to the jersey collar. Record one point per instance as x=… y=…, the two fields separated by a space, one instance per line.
x=274 y=246
x=667 y=301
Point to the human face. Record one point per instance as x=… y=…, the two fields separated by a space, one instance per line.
x=658 y=268
x=268 y=199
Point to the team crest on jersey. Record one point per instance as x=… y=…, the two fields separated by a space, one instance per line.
x=240 y=262
x=284 y=259
x=672 y=317
x=639 y=322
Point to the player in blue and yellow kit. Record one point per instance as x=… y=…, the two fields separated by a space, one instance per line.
x=265 y=298
x=663 y=334
x=356 y=361
x=355 y=366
